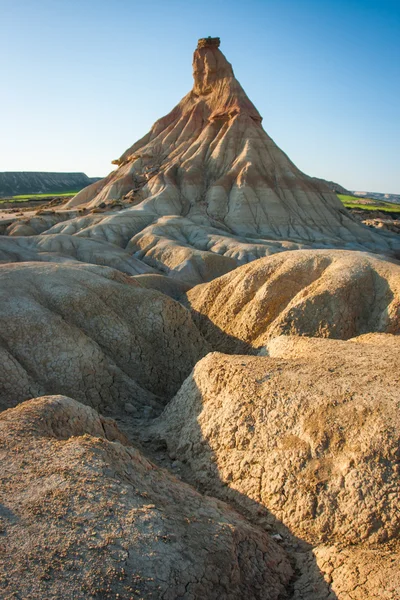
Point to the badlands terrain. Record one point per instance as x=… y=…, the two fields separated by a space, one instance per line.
x=200 y=378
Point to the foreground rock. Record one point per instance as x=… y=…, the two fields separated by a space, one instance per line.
x=83 y=515
x=323 y=293
x=310 y=434
x=92 y=333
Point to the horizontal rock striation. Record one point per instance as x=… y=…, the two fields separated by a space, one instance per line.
x=209 y=160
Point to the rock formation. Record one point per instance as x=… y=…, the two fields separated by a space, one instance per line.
x=207 y=190
x=100 y=305
x=322 y=293
x=210 y=160
x=311 y=434
x=84 y=515
x=65 y=248
x=94 y=334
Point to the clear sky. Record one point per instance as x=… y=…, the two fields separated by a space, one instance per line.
x=81 y=80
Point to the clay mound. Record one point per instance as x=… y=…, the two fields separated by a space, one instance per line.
x=175 y=246
x=37 y=224
x=211 y=161
x=311 y=434
x=92 y=333
x=85 y=516
x=167 y=247
x=337 y=294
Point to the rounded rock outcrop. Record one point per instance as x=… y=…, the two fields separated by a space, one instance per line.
x=92 y=333
x=310 y=433
x=322 y=293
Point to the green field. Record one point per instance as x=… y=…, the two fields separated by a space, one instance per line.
x=27 y=197
x=368 y=204
x=44 y=196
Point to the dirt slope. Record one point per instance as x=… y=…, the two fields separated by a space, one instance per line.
x=84 y=515
x=310 y=434
x=94 y=334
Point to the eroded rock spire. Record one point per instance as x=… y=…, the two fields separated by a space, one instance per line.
x=209 y=160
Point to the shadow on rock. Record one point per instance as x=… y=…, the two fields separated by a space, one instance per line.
x=308 y=582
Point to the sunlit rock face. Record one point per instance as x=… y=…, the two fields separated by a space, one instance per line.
x=319 y=293
x=211 y=161
x=206 y=190
x=310 y=433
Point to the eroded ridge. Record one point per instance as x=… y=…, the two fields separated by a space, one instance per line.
x=84 y=515
x=321 y=293
x=310 y=433
x=94 y=334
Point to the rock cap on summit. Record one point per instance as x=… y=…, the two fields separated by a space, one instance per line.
x=209 y=41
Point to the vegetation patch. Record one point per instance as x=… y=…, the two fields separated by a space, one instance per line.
x=368 y=204
x=47 y=195
x=37 y=197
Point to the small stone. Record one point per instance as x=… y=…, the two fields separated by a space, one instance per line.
x=129 y=408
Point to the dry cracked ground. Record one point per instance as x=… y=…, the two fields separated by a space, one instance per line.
x=242 y=442
x=199 y=376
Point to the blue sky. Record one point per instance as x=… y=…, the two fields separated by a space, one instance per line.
x=82 y=80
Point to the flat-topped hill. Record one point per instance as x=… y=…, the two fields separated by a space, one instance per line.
x=37 y=182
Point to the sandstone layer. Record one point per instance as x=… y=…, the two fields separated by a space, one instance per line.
x=85 y=515
x=330 y=293
x=91 y=333
x=310 y=435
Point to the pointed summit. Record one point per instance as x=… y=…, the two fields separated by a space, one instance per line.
x=210 y=160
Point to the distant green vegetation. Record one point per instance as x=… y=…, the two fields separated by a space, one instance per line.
x=368 y=204
x=8 y=200
x=42 y=196
x=27 y=197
